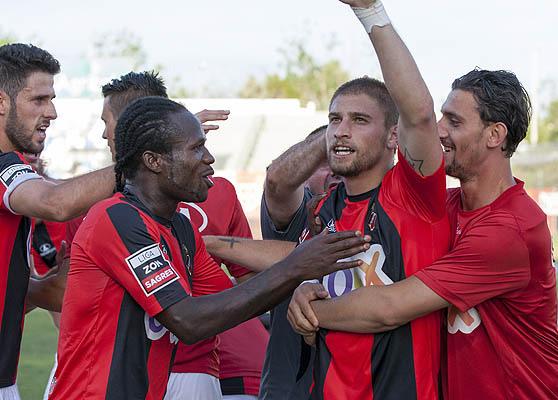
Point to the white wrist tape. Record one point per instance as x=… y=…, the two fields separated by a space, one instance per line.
x=373 y=15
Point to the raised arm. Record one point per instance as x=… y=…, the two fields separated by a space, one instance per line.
x=417 y=132
x=284 y=182
x=195 y=318
x=62 y=201
x=255 y=255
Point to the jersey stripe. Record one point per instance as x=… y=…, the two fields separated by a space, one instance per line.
x=13 y=299
x=128 y=378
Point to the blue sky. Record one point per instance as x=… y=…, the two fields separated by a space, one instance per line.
x=218 y=44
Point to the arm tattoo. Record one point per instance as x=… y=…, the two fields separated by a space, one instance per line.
x=231 y=241
x=416 y=164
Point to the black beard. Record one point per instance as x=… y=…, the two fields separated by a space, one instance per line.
x=15 y=131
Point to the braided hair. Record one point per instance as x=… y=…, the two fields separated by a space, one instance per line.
x=144 y=125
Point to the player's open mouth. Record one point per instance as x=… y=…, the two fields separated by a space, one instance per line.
x=342 y=150
x=446 y=148
x=42 y=129
x=207 y=179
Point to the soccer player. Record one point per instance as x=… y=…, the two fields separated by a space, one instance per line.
x=233 y=367
x=26 y=110
x=498 y=280
x=402 y=207
x=287 y=372
x=196 y=367
x=137 y=263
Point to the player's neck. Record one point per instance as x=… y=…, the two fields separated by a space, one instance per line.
x=487 y=186
x=5 y=143
x=157 y=203
x=365 y=181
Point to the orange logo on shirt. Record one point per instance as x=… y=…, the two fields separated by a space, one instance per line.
x=465 y=322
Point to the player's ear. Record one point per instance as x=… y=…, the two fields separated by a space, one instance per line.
x=497 y=134
x=4 y=103
x=153 y=161
x=392 y=138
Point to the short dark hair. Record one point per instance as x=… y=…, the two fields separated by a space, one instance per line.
x=316 y=131
x=501 y=98
x=144 y=125
x=132 y=86
x=18 y=61
x=376 y=90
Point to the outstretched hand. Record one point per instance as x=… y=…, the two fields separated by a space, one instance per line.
x=319 y=256
x=210 y=116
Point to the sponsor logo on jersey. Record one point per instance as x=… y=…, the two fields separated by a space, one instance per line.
x=464 y=322
x=8 y=175
x=155 y=330
x=331 y=226
x=151 y=269
x=45 y=249
x=369 y=273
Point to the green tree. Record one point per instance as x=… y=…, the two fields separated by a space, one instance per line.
x=303 y=77
x=6 y=38
x=548 y=127
x=121 y=44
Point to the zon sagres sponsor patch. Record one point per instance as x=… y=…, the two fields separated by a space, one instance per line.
x=152 y=269
x=9 y=174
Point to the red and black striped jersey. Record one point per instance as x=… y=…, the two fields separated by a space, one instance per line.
x=127 y=266
x=46 y=239
x=15 y=237
x=406 y=218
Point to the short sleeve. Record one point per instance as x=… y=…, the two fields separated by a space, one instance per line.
x=489 y=260
x=14 y=170
x=71 y=229
x=297 y=224
x=128 y=248
x=208 y=277
x=423 y=196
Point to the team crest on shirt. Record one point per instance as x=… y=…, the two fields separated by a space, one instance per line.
x=331 y=226
x=9 y=174
x=464 y=322
x=151 y=269
x=304 y=235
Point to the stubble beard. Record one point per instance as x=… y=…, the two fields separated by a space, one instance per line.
x=16 y=133
x=355 y=168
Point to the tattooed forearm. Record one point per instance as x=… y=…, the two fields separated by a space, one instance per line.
x=230 y=240
x=416 y=164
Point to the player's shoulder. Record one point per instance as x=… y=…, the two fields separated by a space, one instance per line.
x=221 y=187
x=12 y=157
x=12 y=165
x=115 y=210
x=517 y=203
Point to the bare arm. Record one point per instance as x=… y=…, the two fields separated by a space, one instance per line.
x=48 y=291
x=196 y=318
x=284 y=182
x=417 y=132
x=60 y=202
x=369 y=309
x=255 y=255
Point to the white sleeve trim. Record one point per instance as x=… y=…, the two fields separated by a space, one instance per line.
x=13 y=186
